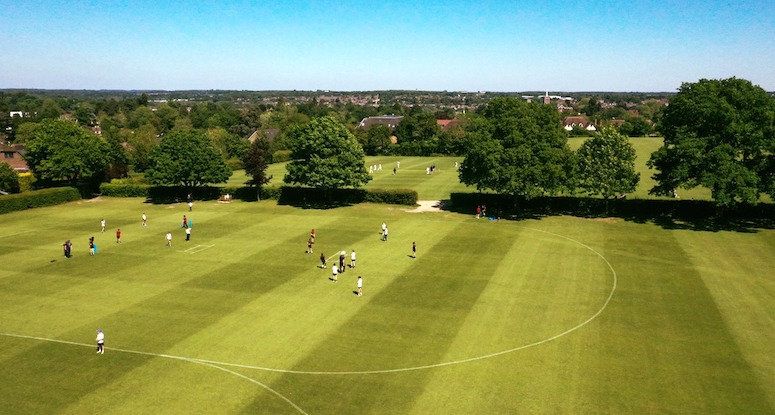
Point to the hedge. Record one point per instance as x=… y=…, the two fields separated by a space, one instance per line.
x=280 y=156
x=26 y=180
x=285 y=194
x=502 y=205
x=38 y=198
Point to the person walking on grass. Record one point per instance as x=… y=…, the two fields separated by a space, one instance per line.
x=188 y=233
x=414 y=250
x=322 y=260
x=190 y=205
x=100 y=342
x=169 y=239
x=91 y=246
x=385 y=234
x=334 y=273
x=342 y=268
x=310 y=242
x=352 y=260
x=145 y=220
x=360 y=286
x=118 y=236
x=102 y=223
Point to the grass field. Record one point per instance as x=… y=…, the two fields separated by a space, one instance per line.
x=558 y=315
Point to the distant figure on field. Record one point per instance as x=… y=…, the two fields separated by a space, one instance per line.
x=352 y=259
x=188 y=233
x=322 y=261
x=360 y=286
x=169 y=239
x=100 y=342
x=118 y=236
x=414 y=250
x=102 y=223
x=335 y=273
x=145 y=220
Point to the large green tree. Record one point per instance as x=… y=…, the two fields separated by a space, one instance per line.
x=517 y=148
x=325 y=155
x=605 y=165
x=256 y=161
x=60 y=149
x=719 y=134
x=187 y=158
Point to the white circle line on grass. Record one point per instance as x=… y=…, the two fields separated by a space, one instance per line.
x=185 y=359
x=453 y=362
x=404 y=369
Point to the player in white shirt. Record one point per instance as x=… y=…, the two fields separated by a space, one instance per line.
x=360 y=286
x=100 y=341
x=335 y=272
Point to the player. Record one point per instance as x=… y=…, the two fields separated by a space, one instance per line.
x=414 y=250
x=322 y=261
x=169 y=239
x=100 y=342
x=188 y=233
x=118 y=236
x=102 y=223
x=352 y=260
x=310 y=241
x=145 y=220
x=360 y=286
x=335 y=273
x=341 y=261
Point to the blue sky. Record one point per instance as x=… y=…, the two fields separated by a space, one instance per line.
x=351 y=46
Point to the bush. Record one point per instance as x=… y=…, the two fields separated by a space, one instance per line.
x=280 y=156
x=26 y=181
x=234 y=164
x=393 y=197
x=38 y=198
x=124 y=190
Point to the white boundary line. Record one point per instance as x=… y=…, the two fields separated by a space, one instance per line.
x=185 y=359
x=195 y=249
x=370 y=372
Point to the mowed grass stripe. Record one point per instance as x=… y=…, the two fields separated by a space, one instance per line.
x=410 y=322
x=675 y=335
x=155 y=324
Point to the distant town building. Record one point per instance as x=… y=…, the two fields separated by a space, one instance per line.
x=269 y=134
x=391 y=121
x=13 y=155
x=578 y=121
x=447 y=124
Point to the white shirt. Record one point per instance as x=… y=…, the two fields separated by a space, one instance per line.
x=102 y=223
x=360 y=282
x=384 y=226
x=169 y=236
x=335 y=269
x=100 y=337
x=143 y=216
x=188 y=231
x=353 y=256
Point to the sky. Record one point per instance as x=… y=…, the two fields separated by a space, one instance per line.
x=341 y=45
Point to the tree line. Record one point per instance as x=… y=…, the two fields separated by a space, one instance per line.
x=718 y=133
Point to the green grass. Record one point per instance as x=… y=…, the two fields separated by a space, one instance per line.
x=557 y=315
x=411 y=175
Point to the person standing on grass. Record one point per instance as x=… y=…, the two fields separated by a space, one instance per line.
x=169 y=239
x=91 y=246
x=335 y=273
x=188 y=233
x=118 y=236
x=102 y=223
x=352 y=260
x=310 y=242
x=414 y=250
x=190 y=205
x=185 y=221
x=342 y=268
x=385 y=234
x=100 y=342
x=322 y=261
x=312 y=235
x=360 y=286
x=145 y=220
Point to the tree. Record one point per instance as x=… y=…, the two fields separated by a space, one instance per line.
x=517 y=148
x=9 y=179
x=61 y=149
x=256 y=161
x=187 y=158
x=719 y=134
x=325 y=156
x=418 y=134
x=606 y=165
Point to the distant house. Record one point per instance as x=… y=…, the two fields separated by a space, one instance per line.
x=447 y=124
x=269 y=134
x=391 y=121
x=13 y=155
x=578 y=121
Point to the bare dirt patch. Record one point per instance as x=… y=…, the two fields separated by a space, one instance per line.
x=427 y=206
